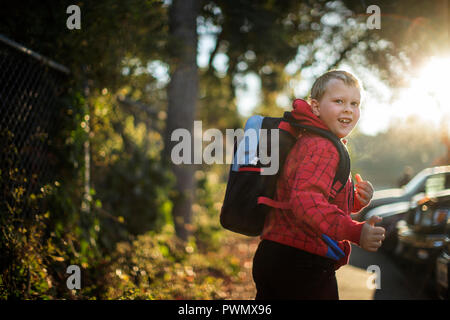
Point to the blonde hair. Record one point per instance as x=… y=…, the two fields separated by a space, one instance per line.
x=320 y=85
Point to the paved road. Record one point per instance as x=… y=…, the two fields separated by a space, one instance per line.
x=398 y=280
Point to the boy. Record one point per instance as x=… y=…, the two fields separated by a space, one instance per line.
x=302 y=247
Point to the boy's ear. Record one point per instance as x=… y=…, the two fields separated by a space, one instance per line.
x=315 y=107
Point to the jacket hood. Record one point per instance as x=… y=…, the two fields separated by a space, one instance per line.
x=303 y=113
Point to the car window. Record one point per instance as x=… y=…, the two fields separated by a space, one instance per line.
x=416 y=184
x=435 y=183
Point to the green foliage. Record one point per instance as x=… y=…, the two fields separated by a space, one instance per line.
x=37 y=247
x=145 y=268
x=110 y=32
x=286 y=26
x=160 y=266
x=217 y=107
x=66 y=226
x=36 y=227
x=19 y=239
x=130 y=183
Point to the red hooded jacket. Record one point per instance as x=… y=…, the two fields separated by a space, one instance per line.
x=312 y=223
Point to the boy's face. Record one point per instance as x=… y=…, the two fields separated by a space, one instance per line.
x=338 y=108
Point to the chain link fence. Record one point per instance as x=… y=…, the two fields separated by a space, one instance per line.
x=33 y=107
x=30 y=88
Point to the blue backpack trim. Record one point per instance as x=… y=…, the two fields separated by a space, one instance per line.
x=250 y=150
x=334 y=252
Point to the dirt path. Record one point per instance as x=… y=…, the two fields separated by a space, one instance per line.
x=243 y=287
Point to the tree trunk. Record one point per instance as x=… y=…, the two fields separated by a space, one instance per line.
x=182 y=100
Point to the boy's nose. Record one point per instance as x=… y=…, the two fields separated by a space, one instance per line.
x=348 y=108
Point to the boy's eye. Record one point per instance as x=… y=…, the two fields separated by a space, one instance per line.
x=338 y=100
x=355 y=104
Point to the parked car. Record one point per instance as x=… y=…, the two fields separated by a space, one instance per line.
x=442 y=271
x=424 y=237
x=393 y=204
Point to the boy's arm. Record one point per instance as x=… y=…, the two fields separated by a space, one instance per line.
x=310 y=192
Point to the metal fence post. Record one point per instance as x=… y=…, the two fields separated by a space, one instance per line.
x=85 y=206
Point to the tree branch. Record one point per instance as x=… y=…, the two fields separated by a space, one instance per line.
x=216 y=48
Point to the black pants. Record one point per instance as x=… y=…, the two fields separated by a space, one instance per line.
x=284 y=272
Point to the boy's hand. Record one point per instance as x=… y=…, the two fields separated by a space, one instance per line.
x=364 y=190
x=371 y=236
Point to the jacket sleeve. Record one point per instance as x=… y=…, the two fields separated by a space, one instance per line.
x=310 y=191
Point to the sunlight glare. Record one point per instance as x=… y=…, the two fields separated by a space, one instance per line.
x=434 y=80
x=428 y=95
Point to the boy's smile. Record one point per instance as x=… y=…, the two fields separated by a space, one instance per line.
x=338 y=108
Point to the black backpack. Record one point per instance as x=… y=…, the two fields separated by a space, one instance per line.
x=249 y=193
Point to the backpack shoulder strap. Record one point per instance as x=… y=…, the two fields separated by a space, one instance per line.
x=343 y=170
